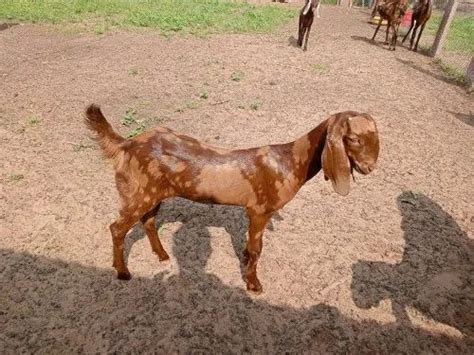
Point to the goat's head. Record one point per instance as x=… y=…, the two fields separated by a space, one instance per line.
x=352 y=143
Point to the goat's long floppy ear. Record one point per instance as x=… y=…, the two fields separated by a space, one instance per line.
x=336 y=165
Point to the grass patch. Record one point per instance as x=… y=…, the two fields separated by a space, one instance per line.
x=452 y=73
x=460 y=35
x=16 y=177
x=189 y=105
x=129 y=117
x=256 y=105
x=237 y=75
x=198 y=17
x=34 y=121
x=136 y=131
x=204 y=95
x=320 y=68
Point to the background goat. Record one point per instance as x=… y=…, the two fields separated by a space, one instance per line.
x=392 y=11
x=421 y=14
x=305 y=22
x=160 y=163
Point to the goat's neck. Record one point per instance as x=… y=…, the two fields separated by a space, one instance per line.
x=311 y=160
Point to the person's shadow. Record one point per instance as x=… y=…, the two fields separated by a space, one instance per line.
x=55 y=306
x=435 y=275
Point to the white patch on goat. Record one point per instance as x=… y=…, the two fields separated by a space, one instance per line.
x=308 y=6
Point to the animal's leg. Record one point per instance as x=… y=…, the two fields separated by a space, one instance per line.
x=411 y=27
x=389 y=24
x=119 y=230
x=149 y=220
x=394 y=37
x=254 y=248
x=300 y=33
x=413 y=35
x=305 y=47
x=419 y=35
x=377 y=29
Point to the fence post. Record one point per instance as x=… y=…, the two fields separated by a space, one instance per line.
x=443 y=29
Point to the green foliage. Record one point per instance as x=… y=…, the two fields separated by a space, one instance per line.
x=129 y=117
x=198 y=17
x=256 y=105
x=460 y=35
x=237 y=75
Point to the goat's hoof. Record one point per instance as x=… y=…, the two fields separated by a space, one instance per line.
x=124 y=276
x=162 y=256
x=305 y=49
x=254 y=287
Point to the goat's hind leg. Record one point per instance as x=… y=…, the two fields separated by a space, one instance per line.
x=411 y=27
x=305 y=46
x=254 y=248
x=119 y=230
x=149 y=222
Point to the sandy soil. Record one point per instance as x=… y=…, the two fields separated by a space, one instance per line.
x=390 y=268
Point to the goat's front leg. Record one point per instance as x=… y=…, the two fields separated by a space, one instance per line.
x=413 y=36
x=389 y=24
x=300 y=33
x=254 y=248
x=377 y=29
x=305 y=47
x=149 y=222
x=419 y=35
x=411 y=27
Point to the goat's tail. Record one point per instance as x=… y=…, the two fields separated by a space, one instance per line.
x=109 y=140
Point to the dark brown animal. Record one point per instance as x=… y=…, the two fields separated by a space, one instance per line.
x=160 y=163
x=421 y=14
x=306 y=21
x=392 y=11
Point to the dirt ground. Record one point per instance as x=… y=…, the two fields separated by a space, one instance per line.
x=389 y=268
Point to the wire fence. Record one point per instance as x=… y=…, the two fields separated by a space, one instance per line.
x=456 y=50
x=457 y=47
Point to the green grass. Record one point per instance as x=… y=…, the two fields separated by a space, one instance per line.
x=34 y=121
x=129 y=117
x=256 y=104
x=237 y=75
x=451 y=72
x=187 y=16
x=16 y=177
x=461 y=32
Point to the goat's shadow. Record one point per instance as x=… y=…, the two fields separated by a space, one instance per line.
x=293 y=41
x=191 y=214
x=436 y=272
x=467 y=118
x=433 y=74
x=369 y=41
x=7 y=25
x=57 y=306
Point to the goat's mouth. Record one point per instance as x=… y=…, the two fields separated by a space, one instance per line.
x=356 y=167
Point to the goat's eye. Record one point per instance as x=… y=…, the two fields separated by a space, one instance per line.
x=354 y=140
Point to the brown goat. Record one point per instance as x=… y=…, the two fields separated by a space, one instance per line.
x=421 y=14
x=306 y=21
x=160 y=164
x=392 y=11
